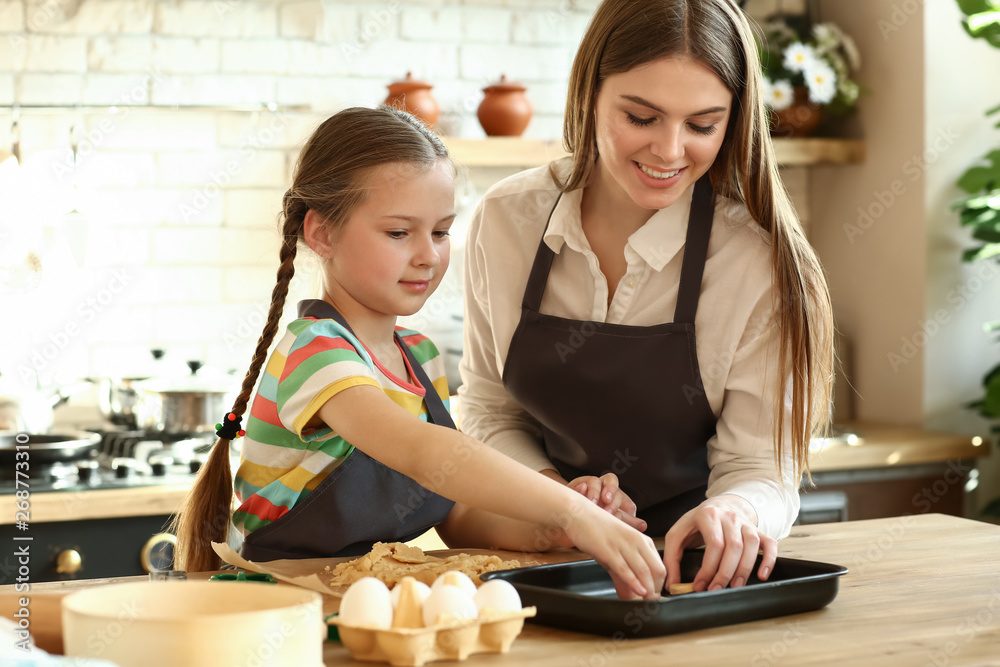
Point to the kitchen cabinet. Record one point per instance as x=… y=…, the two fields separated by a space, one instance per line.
x=524 y=153
x=95 y=533
x=897 y=470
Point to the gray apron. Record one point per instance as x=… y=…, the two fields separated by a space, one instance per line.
x=362 y=501
x=622 y=399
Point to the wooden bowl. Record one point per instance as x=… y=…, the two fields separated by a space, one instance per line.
x=195 y=623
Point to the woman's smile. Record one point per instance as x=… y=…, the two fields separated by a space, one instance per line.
x=658 y=177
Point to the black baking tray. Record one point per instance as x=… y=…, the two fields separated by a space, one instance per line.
x=580 y=596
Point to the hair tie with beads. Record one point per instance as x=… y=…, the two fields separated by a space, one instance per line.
x=230 y=429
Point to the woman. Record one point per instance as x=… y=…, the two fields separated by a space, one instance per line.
x=648 y=310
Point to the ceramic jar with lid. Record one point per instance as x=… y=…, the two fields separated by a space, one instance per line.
x=414 y=97
x=505 y=110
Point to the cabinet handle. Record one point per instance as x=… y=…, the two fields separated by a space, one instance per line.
x=69 y=562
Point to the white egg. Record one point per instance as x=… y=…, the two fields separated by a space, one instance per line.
x=367 y=603
x=448 y=600
x=455 y=578
x=423 y=590
x=498 y=595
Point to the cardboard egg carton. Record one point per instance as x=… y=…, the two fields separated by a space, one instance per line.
x=449 y=639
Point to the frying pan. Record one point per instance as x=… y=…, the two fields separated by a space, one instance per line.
x=45 y=448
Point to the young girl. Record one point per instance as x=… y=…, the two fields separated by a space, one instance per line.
x=659 y=278
x=349 y=440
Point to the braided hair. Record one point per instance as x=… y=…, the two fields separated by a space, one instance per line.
x=331 y=178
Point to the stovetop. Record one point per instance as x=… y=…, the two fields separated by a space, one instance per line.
x=123 y=459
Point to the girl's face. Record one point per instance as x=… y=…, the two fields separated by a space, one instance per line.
x=391 y=253
x=659 y=127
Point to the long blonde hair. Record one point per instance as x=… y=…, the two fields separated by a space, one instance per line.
x=331 y=178
x=624 y=34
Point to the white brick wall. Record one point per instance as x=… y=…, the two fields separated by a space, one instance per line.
x=11 y=17
x=185 y=56
x=216 y=18
x=187 y=200
x=300 y=19
x=51 y=53
x=524 y=63
x=119 y=17
x=268 y=56
x=64 y=89
x=115 y=89
x=6 y=89
x=115 y=169
x=212 y=89
x=120 y=54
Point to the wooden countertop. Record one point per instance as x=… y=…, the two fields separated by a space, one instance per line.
x=99 y=503
x=882 y=446
x=922 y=590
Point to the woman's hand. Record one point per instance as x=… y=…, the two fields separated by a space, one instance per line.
x=628 y=555
x=727 y=526
x=605 y=492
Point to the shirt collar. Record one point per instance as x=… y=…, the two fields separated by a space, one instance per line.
x=656 y=242
x=565 y=227
x=663 y=235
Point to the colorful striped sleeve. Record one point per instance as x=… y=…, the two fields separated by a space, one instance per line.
x=324 y=360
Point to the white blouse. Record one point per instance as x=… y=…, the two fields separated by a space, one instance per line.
x=737 y=338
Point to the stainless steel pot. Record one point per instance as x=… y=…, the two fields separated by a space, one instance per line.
x=116 y=396
x=188 y=405
x=116 y=399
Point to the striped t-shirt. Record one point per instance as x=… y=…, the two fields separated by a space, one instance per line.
x=283 y=459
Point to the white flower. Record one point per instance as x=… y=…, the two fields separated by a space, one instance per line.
x=779 y=94
x=822 y=82
x=798 y=57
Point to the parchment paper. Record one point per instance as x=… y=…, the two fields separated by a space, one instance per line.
x=303 y=572
x=313 y=573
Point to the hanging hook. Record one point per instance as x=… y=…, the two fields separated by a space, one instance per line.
x=74 y=144
x=15 y=133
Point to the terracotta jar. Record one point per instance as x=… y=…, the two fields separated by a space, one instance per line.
x=799 y=119
x=505 y=111
x=415 y=97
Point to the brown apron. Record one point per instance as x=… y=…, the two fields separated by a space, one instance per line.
x=617 y=398
x=362 y=501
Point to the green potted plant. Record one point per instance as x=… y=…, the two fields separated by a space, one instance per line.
x=979 y=210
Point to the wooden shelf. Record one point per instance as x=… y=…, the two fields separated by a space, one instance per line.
x=503 y=151
x=801 y=152
x=525 y=153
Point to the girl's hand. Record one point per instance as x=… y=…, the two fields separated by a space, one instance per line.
x=727 y=526
x=628 y=555
x=605 y=492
